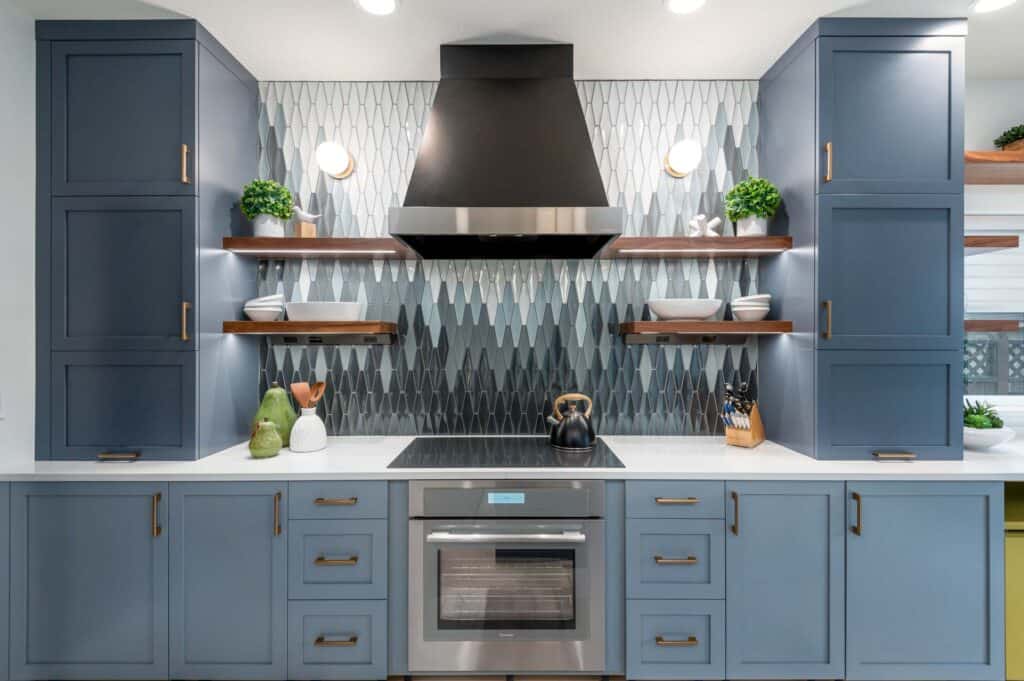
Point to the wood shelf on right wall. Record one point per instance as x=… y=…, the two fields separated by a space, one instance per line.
x=994 y=167
x=984 y=243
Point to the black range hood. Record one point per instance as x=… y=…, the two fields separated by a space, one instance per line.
x=506 y=168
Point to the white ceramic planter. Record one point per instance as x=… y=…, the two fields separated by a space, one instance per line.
x=752 y=226
x=268 y=226
x=986 y=438
x=309 y=433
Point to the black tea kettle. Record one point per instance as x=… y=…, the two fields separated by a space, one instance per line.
x=572 y=430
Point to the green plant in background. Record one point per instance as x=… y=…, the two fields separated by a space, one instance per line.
x=1010 y=136
x=755 y=197
x=981 y=415
x=266 y=197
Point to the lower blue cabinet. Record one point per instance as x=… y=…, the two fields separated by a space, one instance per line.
x=228 y=557
x=785 y=580
x=338 y=559
x=669 y=639
x=5 y=578
x=675 y=558
x=924 y=581
x=330 y=640
x=88 y=581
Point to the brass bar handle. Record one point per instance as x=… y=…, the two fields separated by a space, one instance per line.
x=350 y=501
x=827 y=333
x=334 y=562
x=324 y=642
x=735 y=527
x=894 y=456
x=277 y=514
x=155 y=528
x=858 y=529
x=185 y=307
x=184 y=165
x=673 y=501
x=828 y=161
x=688 y=642
x=661 y=560
x=118 y=456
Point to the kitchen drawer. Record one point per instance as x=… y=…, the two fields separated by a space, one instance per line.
x=337 y=640
x=675 y=558
x=668 y=639
x=675 y=499
x=338 y=499
x=337 y=559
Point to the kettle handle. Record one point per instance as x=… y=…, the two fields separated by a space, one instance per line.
x=572 y=397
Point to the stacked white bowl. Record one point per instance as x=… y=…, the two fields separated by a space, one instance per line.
x=265 y=309
x=751 y=308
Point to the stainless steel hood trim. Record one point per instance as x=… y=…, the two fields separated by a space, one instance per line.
x=505 y=221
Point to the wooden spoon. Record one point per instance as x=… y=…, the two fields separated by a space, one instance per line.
x=316 y=392
x=301 y=393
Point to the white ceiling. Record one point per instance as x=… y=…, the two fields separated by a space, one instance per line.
x=636 y=39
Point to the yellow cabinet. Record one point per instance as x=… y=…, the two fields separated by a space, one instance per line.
x=1015 y=605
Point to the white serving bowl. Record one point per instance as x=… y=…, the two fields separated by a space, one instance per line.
x=751 y=306
x=325 y=312
x=759 y=298
x=987 y=438
x=263 y=314
x=750 y=314
x=275 y=299
x=680 y=309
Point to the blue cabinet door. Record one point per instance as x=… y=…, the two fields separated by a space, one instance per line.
x=139 y=402
x=924 y=581
x=893 y=401
x=890 y=272
x=121 y=112
x=784 y=577
x=229 y=581
x=121 y=271
x=5 y=578
x=892 y=110
x=89 y=581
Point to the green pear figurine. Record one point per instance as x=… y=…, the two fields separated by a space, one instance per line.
x=265 y=442
x=276 y=407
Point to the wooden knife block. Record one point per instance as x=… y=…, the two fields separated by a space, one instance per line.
x=737 y=437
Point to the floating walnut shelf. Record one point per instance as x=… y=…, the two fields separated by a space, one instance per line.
x=994 y=167
x=318 y=333
x=696 y=247
x=724 y=332
x=991 y=325
x=976 y=245
x=340 y=248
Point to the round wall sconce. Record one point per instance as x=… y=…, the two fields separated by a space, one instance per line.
x=682 y=158
x=334 y=160
x=684 y=6
x=378 y=7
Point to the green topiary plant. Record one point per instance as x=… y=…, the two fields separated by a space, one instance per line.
x=266 y=197
x=755 y=197
x=981 y=415
x=1010 y=136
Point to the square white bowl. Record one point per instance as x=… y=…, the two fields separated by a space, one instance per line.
x=325 y=312
x=680 y=309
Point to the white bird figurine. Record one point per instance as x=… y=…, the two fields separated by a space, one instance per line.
x=701 y=226
x=303 y=216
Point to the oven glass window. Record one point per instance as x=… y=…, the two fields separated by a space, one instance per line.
x=506 y=588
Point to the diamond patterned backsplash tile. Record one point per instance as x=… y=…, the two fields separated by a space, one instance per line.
x=486 y=346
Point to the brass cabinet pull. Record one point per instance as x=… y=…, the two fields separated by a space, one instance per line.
x=118 y=456
x=185 y=307
x=323 y=642
x=735 y=527
x=859 y=527
x=184 y=165
x=688 y=642
x=827 y=333
x=661 y=560
x=155 y=528
x=331 y=562
x=671 y=501
x=277 y=514
x=894 y=456
x=828 y=161
x=350 y=501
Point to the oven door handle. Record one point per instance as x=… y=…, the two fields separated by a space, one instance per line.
x=506 y=538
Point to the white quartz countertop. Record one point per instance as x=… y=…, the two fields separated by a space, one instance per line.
x=683 y=458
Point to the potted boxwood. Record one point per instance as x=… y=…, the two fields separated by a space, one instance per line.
x=1012 y=139
x=269 y=205
x=750 y=203
x=983 y=428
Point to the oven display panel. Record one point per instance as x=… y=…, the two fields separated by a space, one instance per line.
x=502 y=498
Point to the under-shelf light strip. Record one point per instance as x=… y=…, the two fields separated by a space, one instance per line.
x=632 y=251
x=314 y=251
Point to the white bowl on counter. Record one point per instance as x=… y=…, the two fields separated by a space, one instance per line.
x=325 y=312
x=987 y=438
x=684 y=309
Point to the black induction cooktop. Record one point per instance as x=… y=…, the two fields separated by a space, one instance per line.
x=500 y=452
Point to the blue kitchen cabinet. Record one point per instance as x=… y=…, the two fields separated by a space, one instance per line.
x=5 y=579
x=229 y=582
x=669 y=639
x=924 y=581
x=784 y=580
x=891 y=112
x=88 y=581
x=331 y=559
x=337 y=640
x=675 y=558
x=887 y=268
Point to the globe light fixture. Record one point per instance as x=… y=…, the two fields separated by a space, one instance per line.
x=683 y=158
x=334 y=160
x=378 y=7
x=684 y=6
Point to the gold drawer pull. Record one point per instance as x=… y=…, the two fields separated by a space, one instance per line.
x=118 y=456
x=185 y=307
x=676 y=501
x=155 y=528
x=689 y=560
x=331 y=562
x=688 y=642
x=277 y=515
x=350 y=501
x=858 y=528
x=322 y=642
x=828 y=161
x=827 y=333
x=184 y=165
x=894 y=456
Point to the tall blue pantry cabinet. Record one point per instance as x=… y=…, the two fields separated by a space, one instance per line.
x=862 y=131
x=146 y=133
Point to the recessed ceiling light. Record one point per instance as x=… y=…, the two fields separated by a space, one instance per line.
x=378 y=7
x=684 y=6
x=983 y=6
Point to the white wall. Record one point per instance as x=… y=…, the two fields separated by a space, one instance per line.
x=993 y=106
x=17 y=232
